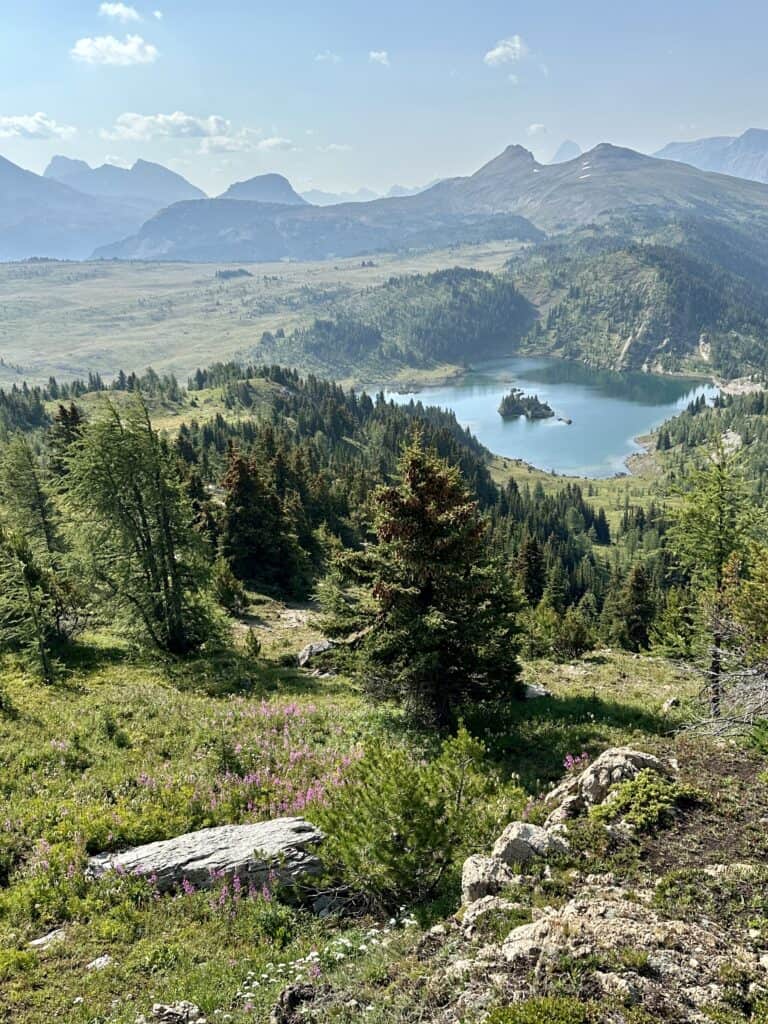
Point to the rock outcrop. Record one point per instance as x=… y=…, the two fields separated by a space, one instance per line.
x=578 y=793
x=519 y=843
x=620 y=947
x=282 y=851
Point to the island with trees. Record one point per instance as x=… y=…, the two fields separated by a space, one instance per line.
x=517 y=403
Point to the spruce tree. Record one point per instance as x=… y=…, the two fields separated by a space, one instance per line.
x=27 y=609
x=529 y=564
x=435 y=615
x=636 y=610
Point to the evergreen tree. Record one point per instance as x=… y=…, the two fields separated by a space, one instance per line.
x=636 y=609
x=30 y=513
x=529 y=565
x=436 y=613
x=710 y=529
x=255 y=538
x=27 y=611
x=132 y=518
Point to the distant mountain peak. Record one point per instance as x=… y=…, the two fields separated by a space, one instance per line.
x=568 y=150
x=265 y=188
x=743 y=156
x=61 y=166
x=148 y=182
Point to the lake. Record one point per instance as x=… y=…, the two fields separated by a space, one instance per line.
x=608 y=411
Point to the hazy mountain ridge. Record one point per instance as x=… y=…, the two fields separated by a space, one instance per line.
x=606 y=183
x=745 y=156
x=43 y=217
x=144 y=180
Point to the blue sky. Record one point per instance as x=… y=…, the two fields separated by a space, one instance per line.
x=344 y=94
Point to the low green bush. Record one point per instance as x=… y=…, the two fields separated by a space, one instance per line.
x=546 y=1010
x=646 y=802
x=400 y=827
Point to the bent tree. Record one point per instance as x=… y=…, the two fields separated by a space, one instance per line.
x=133 y=518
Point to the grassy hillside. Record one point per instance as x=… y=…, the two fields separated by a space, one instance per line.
x=123 y=751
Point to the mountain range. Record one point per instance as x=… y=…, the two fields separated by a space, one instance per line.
x=150 y=212
x=512 y=196
x=363 y=195
x=742 y=157
x=153 y=183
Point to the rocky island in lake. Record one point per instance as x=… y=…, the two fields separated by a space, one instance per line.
x=517 y=403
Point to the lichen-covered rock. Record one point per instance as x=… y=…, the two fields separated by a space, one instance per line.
x=577 y=794
x=487 y=906
x=282 y=850
x=684 y=962
x=484 y=876
x=521 y=842
x=182 y=1012
x=293 y=1002
x=312 y=650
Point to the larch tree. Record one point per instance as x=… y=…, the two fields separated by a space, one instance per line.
x=132 y=517
x=711 y=527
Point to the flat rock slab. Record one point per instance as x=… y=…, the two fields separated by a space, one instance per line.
x=281 y=851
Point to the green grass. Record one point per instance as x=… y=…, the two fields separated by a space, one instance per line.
x=124 y=750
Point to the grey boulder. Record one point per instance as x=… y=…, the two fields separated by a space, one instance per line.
x=282 y=851
x=520 y=842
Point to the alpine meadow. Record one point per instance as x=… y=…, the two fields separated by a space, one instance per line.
x=383 y=514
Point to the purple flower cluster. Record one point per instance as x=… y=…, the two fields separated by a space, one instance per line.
x=576 y=762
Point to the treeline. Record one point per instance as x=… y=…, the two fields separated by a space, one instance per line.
x=23 y=407
x=740 y=422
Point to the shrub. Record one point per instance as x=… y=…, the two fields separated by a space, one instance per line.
x=546 y=1010
x=15 y=961
x=646 y=802
x=400 y=827
x=227 y=588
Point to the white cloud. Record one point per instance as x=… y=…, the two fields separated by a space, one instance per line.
x=122 y=12
x=116 y=161
x=379 y=57
x=506 y=51
x=33 y=126
x=327 y=57
x=275 y=143
x=158 y=15
x=514 y=79
x=334 y=147
x=544 y=70
x=108 y=50
x=178 y=125
x=537 y=129
x=244 y=141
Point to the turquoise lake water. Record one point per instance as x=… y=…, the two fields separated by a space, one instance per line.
x=608 y=411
